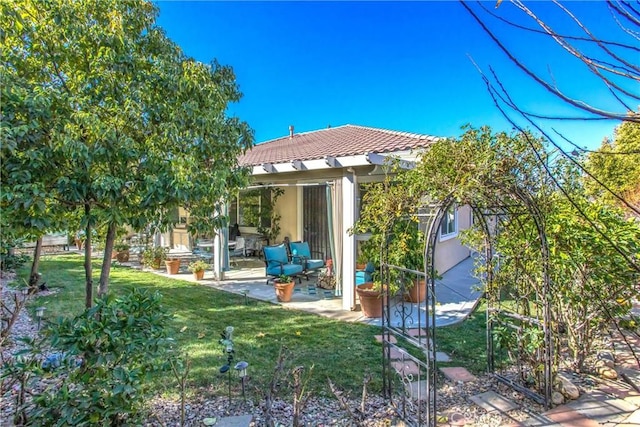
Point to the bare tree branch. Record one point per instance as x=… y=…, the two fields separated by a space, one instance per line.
x=624 y=116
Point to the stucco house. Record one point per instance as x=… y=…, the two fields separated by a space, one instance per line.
x=321 y=176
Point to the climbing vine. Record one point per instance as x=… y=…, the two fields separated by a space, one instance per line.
x=560 y=262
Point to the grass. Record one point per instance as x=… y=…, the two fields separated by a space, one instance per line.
x=338 y=350
x=466 y=342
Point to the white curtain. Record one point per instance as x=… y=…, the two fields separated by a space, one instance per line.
x=338 y=233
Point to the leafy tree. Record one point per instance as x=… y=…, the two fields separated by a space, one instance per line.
x=617 y=165
x=592 y=273
x=139 y=128
x=29 y=115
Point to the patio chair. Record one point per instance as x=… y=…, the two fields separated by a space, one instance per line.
x=301 y=254
x=239 y=248
x=277 y=263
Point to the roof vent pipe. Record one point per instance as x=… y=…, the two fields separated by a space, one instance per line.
x=290 y=131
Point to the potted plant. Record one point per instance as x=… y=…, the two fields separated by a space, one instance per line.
x=152 y=257
x=122 y=252
x=197 y=268
x=283 y=285
x=388 y=217
x=173 y=265
x=371 y=298
x=407 y=250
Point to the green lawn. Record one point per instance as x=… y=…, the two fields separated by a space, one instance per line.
x=338 y=350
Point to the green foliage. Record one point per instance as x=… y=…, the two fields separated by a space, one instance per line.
x=198 y=265
x=87 y=124
x=269 y=222
x=154 y=256
x=619 y=172
x=100 y=373
x=591 y=275
x=9 y=259
x=283 y=278
x=389 y=215
x=119 y=247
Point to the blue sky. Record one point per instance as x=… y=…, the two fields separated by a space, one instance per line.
x=397 y=65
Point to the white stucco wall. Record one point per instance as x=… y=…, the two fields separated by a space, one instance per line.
x=450 y=252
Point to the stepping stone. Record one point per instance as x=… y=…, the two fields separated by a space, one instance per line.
x=491 y=401
x=417 y=390
x=602 y=408
x=406 y=367
x=456 y=374
x=237 y=421
x=441 y=357
x=392 y=339
x=566 y=416
x=394 y=353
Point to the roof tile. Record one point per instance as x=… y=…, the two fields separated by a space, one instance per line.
x=339 y=141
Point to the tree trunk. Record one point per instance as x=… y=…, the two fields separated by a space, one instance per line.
x=88 y=300
x=33 y=277
x=103 y=287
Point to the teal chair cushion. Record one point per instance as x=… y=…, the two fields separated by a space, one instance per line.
x=314 y=264
x=300 y=249
x=301 y=254
x=276 y=253
x=277 y=261
x=288 y=269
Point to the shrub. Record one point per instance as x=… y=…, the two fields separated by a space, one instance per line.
x=110 y=351
x=9 y=260
x=119 y=247
x=198 y=265
x=153 y=257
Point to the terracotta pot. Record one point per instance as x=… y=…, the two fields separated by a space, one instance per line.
x=361 y=267
x=370 y=300
x=198 y=275
x=123 y=256
x=418 y=292
x=284 y=291
x=173 y=266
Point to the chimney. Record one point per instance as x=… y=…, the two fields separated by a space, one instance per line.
x=290 y=131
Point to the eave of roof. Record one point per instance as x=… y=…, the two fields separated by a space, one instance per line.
x=348 y=142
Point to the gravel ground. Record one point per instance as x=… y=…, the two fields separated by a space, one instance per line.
x=452 y=399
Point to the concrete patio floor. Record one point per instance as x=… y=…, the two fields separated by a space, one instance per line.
x=457 y=294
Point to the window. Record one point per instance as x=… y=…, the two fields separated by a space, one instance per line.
x=249 y=209
x=449 y=225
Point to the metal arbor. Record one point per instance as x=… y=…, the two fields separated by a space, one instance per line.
x=410 y=381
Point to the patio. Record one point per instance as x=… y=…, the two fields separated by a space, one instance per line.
x=457 y=293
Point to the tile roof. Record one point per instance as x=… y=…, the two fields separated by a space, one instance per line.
x=337 y=141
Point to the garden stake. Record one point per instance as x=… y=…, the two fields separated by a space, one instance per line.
x=241 y=367
x=227 y=341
